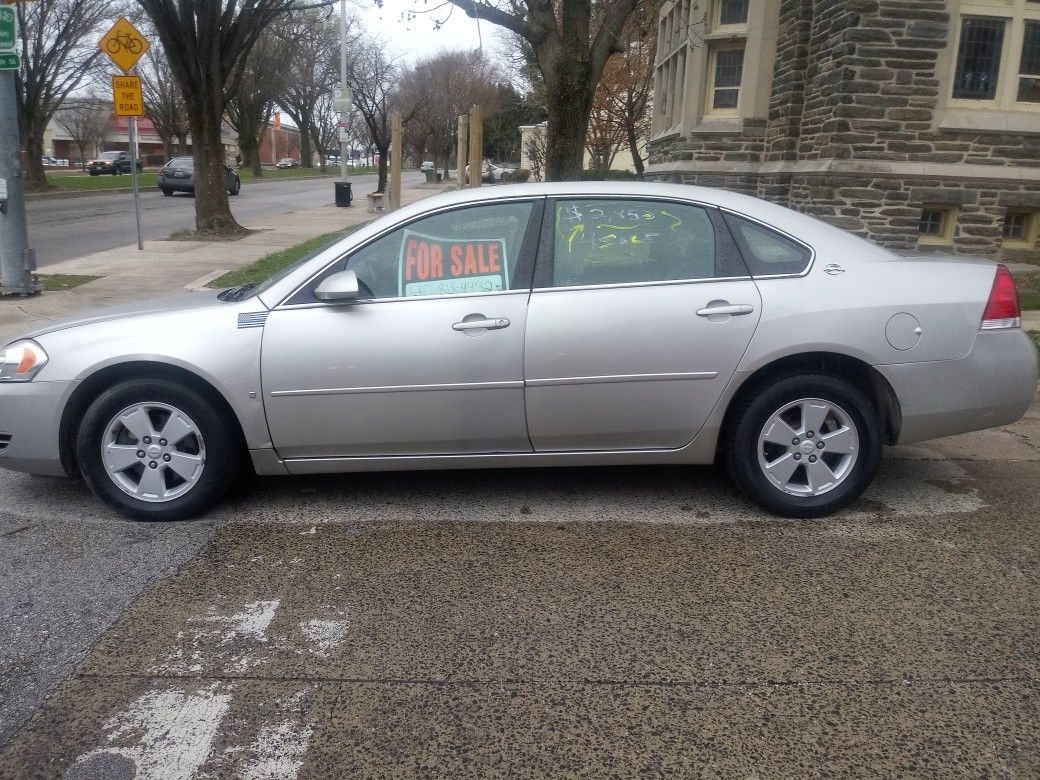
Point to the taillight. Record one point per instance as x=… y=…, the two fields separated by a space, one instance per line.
x=1002 y=309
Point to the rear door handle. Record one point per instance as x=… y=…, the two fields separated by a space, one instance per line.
x=735 y=309
x=489 y=324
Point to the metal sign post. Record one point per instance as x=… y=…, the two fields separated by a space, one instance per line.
x=17 y=260
x=125 y=45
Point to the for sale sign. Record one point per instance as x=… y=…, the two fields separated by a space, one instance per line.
x=436 y=266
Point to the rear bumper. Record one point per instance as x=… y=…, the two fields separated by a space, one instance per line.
x=30 y=412
x=994 y=384
x=177 y=185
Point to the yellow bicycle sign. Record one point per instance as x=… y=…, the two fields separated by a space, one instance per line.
x=124 y=44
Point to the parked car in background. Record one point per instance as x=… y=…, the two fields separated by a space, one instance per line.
x=427 y=166
x=287 y=162
x=649 y=323
x=115 y=163
x=178 y=175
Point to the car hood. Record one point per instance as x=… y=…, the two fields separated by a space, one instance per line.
x=179 y=302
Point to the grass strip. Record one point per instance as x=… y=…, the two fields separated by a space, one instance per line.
x=82 y=181
x=58 y=282
x=268 y=265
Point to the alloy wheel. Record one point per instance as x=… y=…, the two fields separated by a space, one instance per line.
x=153 y=452
x=808 y=447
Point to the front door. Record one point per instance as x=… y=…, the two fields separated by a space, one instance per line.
x=637 y=322
x=429 y=361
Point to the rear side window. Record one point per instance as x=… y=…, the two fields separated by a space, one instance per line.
x=630 y=241
x=767 y=252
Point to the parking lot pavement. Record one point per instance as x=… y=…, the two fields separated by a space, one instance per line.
x=589 y=622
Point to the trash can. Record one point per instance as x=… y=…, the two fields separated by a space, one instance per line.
x=343 y=194
x=431 y=177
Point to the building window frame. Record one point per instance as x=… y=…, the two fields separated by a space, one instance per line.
x=945 y=217
x=1017 y=16
x=716 y=18
x=1030 y=228
x=711 y=88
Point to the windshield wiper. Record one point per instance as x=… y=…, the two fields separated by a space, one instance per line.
x=237 y=293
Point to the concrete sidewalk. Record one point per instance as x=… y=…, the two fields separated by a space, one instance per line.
x=165 y=267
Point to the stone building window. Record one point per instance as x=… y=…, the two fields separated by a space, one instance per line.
x=936 y=225
x=673 y=44
x=731 y=12
x=997 y=63
x=727 y=71
x=1020 y=227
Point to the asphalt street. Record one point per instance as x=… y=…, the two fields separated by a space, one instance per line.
x=533 y=623
x=66 y=228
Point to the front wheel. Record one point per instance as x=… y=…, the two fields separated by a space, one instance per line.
x=235 y=188
x=156 y=450
x=805 y=446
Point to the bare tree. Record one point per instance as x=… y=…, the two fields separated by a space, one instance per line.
x=206 y=42
x=325 y=127
x=86 y=120
x=252 y=104
x=374 y=78
x=58 y=51
x=445 y=86
x=534 y=151
x=571 y=41
x=163 y=102
x=313 y=74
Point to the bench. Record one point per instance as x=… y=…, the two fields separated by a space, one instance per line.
x=375 y=202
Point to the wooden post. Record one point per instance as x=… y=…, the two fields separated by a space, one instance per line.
x=395 y=161
x=476 y=146
x=463 y=153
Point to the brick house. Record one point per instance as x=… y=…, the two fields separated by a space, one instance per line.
x=915 y=123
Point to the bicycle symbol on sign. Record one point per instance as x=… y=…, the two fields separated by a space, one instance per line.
x=126 y=41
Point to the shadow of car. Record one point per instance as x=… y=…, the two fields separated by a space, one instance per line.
x=178 y=175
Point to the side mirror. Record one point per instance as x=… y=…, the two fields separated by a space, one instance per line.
x=342 y=286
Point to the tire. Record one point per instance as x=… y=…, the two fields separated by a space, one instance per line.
x=758 y=465
x=166 y=191
x=235 y=188
x=208 y=451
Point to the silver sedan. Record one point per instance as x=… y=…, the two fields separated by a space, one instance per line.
x=533 y=325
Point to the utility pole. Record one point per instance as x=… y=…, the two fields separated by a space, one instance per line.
x=476 y=146
x=17 y=260
x=344 y=172
x=396 y=150
x=463 y=152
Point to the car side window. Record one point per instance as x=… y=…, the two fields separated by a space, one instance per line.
x=767 y=252
x=468 y=250
x=617 y=241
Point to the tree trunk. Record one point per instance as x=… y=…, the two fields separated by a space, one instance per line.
x=306 y=149
x=212 y=209
x=35 y=177
x=182 y=144
x=82 y=148
x=569 y=103
x=384 y=153
x=250 y=150
x=633 y=147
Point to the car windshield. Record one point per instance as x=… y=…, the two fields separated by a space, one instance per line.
x=109 y=156
x=183 y=163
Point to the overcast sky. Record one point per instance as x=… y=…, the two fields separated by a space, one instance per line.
x=417 y=38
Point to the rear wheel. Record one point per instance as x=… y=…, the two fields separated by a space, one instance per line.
x=805 y=446
x=236 y=187
x=167 y=192
x=156 y=450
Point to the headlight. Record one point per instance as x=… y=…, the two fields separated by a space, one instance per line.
x=22 y=361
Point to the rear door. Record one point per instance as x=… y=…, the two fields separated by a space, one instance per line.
x=641 y=311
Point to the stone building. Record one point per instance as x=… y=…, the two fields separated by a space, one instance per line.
x=915 y=123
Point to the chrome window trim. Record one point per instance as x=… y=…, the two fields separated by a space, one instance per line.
x=785 y=234
x=622 y=285
x=452 y=207
x=372 y=301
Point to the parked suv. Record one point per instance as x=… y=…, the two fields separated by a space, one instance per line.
x=114 y=163
x=178 y=175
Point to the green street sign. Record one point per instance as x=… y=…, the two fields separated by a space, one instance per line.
x=8 y=28
x=9 y=62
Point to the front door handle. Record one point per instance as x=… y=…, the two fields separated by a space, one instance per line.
x=486 y=324
x=735 y=309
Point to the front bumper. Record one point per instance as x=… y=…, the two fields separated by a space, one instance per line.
x=177 y=185
x=994 y=384
x=30 y=412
